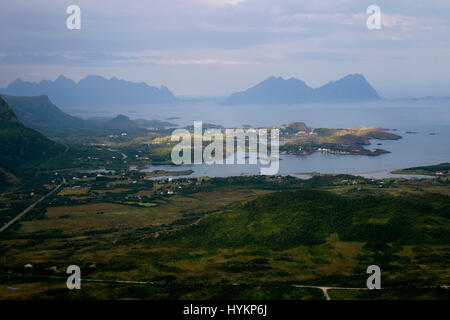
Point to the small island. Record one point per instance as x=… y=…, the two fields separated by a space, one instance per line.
x=303 y=140
x=164 y=173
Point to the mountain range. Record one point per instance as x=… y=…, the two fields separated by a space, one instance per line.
x=351 y=88
x=90 y=91
x=41 y=114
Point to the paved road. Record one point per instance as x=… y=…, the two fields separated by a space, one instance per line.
x=117 y=281
x=327 y=297
x=325 y=289
x=24 y=212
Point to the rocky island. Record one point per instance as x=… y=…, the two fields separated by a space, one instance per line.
x=302 y=140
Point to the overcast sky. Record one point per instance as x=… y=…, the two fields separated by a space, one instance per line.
x=215 y=47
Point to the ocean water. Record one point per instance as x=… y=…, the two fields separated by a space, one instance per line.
x=429 y=145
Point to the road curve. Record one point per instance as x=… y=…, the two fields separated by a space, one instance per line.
x=24 y=212
x=325 y=289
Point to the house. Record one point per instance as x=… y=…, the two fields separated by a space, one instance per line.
x=101 y=177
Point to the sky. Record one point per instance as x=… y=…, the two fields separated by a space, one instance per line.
x=216 y=47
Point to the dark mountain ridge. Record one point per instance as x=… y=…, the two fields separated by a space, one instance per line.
x=41 y=114
x=21 y=146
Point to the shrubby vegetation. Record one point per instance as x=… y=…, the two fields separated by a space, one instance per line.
x=307 y=217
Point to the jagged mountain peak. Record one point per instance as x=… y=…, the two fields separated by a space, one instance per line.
x=92 y=90
x=276 y=90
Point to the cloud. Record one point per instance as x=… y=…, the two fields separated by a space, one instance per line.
x=204 y=62
x=223 y=2
x=105 y=59
x=64 y=59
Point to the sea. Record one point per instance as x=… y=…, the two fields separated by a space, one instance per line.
x=424 y=126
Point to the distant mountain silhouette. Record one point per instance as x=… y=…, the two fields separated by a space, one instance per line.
x=90 y=91
x=351 y=88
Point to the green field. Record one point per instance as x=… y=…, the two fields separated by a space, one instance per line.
x=237 y=237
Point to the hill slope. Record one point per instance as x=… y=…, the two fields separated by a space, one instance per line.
x=39 y=113
x=287 y=219
x=352 y=88
x=21 y=146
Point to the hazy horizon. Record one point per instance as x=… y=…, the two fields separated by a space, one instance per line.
x=217 y=47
